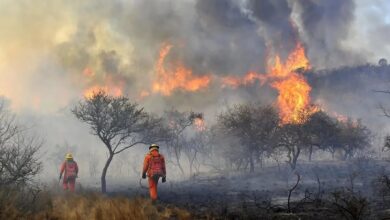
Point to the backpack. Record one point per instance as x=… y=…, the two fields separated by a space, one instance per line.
x=70 y=169
x=156 y=166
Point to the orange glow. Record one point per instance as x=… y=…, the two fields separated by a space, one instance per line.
x=144 y=94
x=111 y=90
x=199 y=123
x=109 y=86
x=179 y=77
x=294 y=92
x=340 y=117
x=249 y=78
x=88 y=72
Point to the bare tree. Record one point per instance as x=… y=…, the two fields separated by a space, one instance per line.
x=213 y=156
x=18 y=152
x=119 y=124
x=193 y=148
x=178 y=122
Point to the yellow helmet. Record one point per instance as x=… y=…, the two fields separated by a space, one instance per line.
x=68 y=156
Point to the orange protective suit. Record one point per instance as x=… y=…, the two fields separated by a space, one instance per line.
x=151 y=171
x=70 y=170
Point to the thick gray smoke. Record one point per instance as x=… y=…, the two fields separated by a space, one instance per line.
x=325 y=25
x=276 y=24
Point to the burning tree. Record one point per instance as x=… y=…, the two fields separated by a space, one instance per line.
x=252 y=126
x=119 y=124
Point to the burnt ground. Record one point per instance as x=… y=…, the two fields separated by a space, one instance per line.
x=327 y=190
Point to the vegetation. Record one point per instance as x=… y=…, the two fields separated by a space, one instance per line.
x=119 y=124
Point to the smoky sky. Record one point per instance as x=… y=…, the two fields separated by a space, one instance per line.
x=74 y=46
x=52 y=51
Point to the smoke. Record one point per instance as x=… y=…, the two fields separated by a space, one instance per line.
x=116 y=44
x=325 y=26
x=276 y=25
x=52 y=52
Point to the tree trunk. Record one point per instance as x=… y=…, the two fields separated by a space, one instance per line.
x=191 y=164
x=261 y=161
x=310 y=152
x=295 y=156
x=103 y=178
x=251 y=164
x=345 y=157
x=177 y=157
x=180 y=167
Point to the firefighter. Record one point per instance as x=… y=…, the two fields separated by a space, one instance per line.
x=70 y=170
x=154 y=168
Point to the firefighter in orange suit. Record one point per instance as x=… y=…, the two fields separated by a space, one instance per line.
x=154 y=168
x=70 y=170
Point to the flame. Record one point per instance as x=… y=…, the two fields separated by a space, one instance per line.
x=114 y=91
x=199 y=123
x=294 y=92
x=293 y=97
x=295 y=60
x=106 y=83
x=178 y=78
x=249 y=78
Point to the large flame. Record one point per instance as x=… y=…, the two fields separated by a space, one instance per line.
x=294 y=91
x=293 y=99
x=179 y=77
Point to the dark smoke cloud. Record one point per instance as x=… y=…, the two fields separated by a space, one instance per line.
x=275 y=20
x=325 y=25
x=223 y=40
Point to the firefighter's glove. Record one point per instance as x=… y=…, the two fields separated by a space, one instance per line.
x=164 y=179
x=143 y=175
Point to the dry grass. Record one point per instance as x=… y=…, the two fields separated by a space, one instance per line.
x=95 y=206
